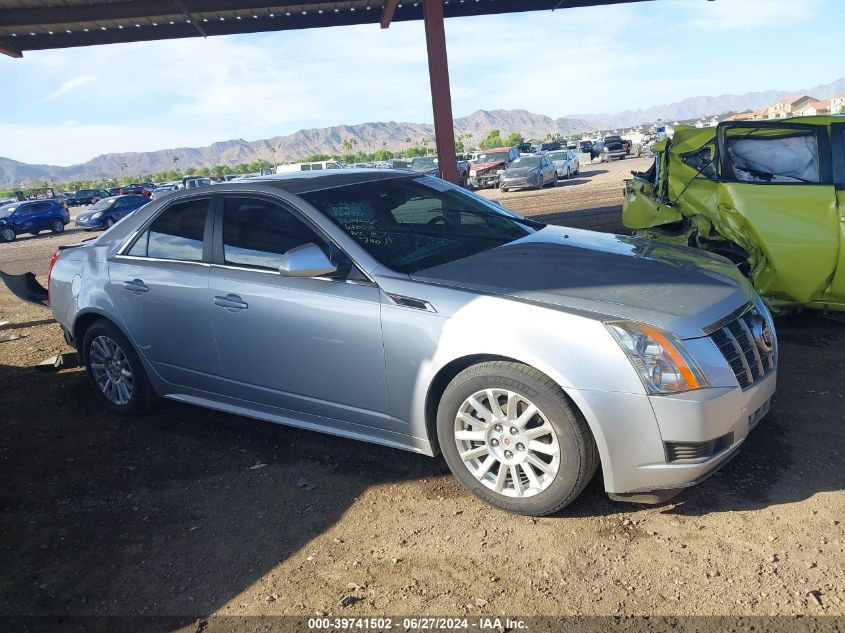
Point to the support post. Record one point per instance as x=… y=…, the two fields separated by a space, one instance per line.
x=441 y=96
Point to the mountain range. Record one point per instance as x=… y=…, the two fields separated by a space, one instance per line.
x=393 y=136
x=369 y=137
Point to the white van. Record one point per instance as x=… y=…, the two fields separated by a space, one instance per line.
x=315 y=166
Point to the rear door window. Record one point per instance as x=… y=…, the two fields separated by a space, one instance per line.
x=257 y=232
x=177 y=233
x=771 y=155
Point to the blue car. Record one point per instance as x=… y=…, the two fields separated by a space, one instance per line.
x=32 y=216
x=108 y=211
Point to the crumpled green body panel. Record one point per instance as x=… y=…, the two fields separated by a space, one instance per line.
x=788 y=237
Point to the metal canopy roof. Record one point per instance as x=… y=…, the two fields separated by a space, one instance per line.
x=28 y=25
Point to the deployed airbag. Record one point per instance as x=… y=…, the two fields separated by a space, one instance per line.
x=789 y=159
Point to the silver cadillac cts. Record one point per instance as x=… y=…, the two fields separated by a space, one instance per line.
x=399 y=309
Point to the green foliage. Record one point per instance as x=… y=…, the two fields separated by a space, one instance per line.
x=415 y=151
x=459 y=146
x=493 y=139
x=513 y=139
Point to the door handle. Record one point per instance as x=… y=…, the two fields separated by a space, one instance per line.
x=136 y=285
x=231 y=302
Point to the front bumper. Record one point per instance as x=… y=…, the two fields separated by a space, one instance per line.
x=89 y=224
x=518 y=183
x=484 y=180
x=638 y=435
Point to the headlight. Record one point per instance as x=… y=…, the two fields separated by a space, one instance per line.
x=664 y=365
x=96 y=215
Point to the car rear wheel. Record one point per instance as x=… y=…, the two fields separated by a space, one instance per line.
x=511 y=438
x=115 y=371
x=57 y=226
x=7 y=234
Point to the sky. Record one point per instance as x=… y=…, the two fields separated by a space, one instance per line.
x=66 y=106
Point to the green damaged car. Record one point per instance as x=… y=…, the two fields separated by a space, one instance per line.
x=769 y=195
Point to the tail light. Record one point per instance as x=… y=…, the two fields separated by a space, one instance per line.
x=53 y=260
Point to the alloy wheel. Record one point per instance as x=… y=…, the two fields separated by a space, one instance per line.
x=8 y=235
x=507 y=443
x=111 y=370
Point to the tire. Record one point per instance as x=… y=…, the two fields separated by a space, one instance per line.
x=57 y=226
x=136 y=397
x=109 y=223
x=7 y=234
x=568 y=174
x=556 y=426
x=503 y=189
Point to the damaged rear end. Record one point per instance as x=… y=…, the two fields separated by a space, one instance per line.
x=768 y=195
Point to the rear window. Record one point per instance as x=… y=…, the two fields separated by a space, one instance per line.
x=175 y=234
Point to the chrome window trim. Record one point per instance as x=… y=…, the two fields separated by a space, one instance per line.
x=160 y=259
x=267 y=271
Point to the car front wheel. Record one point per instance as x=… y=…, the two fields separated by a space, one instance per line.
x=115 y=371
x=511 y=437
x=7 y=234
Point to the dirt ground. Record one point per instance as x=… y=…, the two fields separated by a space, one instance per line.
x=190 y=512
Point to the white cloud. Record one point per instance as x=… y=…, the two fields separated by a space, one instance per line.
x=722 y=15
x=70 y=84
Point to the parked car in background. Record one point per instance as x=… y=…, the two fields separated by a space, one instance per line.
x=86 y=196
x=42 y=193
x=108 y=211
x=609 y=148
x=144 y=189
x=585 y=146
x=319 y=165
x=573 y=145
x=549 y=146
x=566 y=162
x=113 y=191
x=526 y=354
x=161 y=190
x=430 y=165
x=489 y=165
x=768 y=195
x=32 y=216
x=529 y=172
x=190 y=182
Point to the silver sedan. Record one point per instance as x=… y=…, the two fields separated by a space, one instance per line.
x=566 y=163
x=399 y=309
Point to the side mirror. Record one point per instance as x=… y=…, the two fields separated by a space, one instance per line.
x=307 y=260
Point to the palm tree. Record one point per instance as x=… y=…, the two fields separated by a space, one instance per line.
x=175 y=160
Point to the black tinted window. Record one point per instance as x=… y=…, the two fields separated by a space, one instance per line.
x=257 y=233
x=178 y=232
x=413 y=223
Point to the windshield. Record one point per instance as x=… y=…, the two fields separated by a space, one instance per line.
x=526 y=162
x=8 y=210
x=105 y=203
x=423 y=164
x=495 y=157
x=413 y=223
x=557 y=156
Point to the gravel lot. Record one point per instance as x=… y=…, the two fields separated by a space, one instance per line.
x=191 y=512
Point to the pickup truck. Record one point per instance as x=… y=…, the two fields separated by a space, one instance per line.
x=86 y=196
x=609 y=148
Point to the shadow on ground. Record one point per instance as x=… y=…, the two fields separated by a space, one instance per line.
x=179 y=512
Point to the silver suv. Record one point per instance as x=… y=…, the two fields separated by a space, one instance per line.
x=399 y=309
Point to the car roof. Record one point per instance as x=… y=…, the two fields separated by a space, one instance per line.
x=305 y=181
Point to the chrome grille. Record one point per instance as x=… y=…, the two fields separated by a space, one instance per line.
x=748 y=344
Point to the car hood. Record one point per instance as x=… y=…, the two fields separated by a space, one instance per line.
x=679 y=289
x=485 y=166
x=520 y=172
